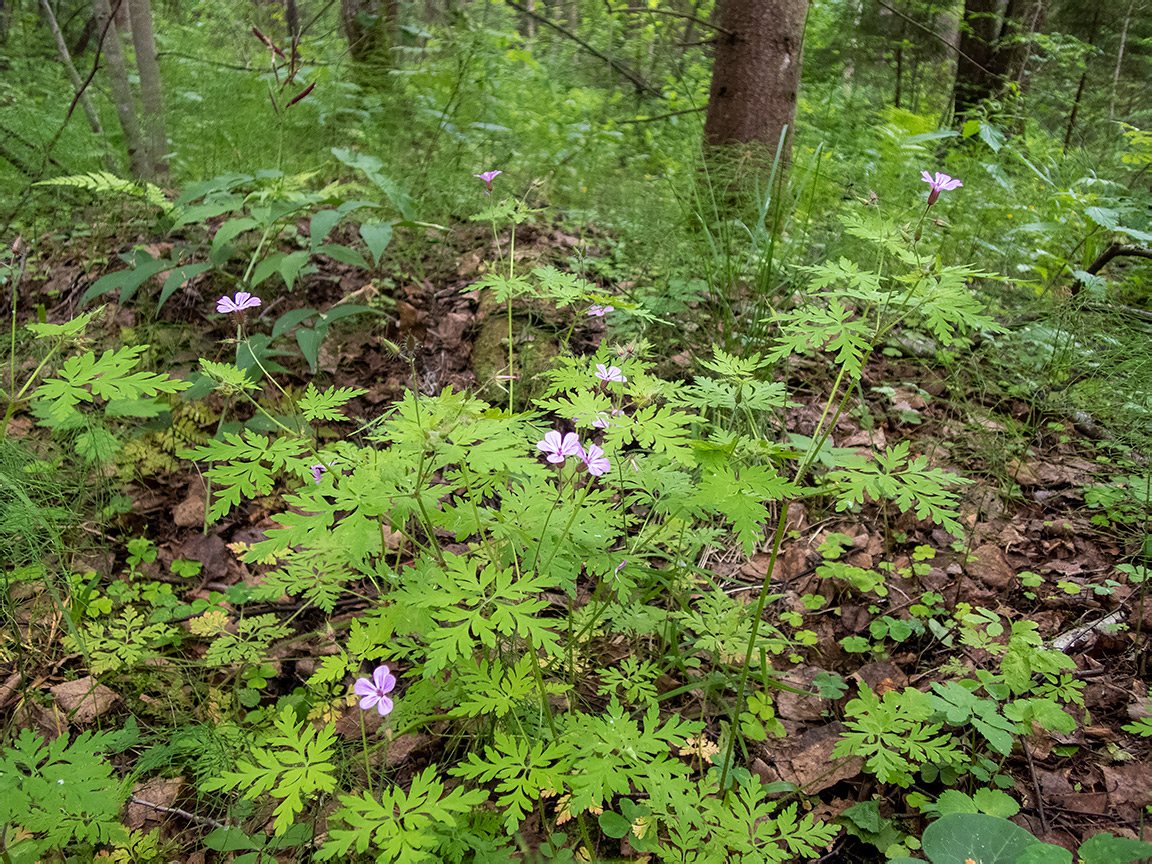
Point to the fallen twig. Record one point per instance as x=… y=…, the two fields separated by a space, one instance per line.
x=202 y=820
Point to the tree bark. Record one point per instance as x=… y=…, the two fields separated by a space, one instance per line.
x=371 y=28
x=899 y=68
x=123 y=18
x=120 y=87
x=976 y=77
x=74 y=77
x=292 y=19
x=756 y=73
x=154 y=164
x=1119 y=61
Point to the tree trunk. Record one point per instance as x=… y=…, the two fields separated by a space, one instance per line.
x=120 y=87
x=976 y=78
x=74 y=77
x=756 y=73
x=1075 y=111
x=123 y=18
x=371 y=27
x=1119 y=61
x=154 y=164
x=292 y=19
x=899 y=68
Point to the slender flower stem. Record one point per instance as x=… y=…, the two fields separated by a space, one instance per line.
x=819 y=438
x=364 y=743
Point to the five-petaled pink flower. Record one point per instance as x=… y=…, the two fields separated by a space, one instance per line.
x=317 y=472
x=598 y=311
x=243 y=300
x=558 y=448
x=373 y=692
x=595 y=460
x=488 y=177
x=939 y=183
x=609 y=373
x=604 y=421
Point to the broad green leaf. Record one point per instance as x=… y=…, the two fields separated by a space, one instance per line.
x=144 y=268
x=342 y=254
x=321 y=226
x=309 y=339
x=958 y=837
x=181 y=276
x=1107 y=849
x=225 y=234
x=291 y=266
x=376 y=236
x=613 y=824
x=1044 y=853
x=291 y=319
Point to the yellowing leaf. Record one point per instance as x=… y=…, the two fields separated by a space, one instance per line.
x=210 y=623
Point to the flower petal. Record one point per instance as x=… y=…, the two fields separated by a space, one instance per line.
x=384 y=706
x=384 y=680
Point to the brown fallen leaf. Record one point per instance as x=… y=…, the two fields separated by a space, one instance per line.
x=1129 y=788
x=84 y=696
x=991 y=567
x=809 y=763
x=161 y=791
x=190 y=511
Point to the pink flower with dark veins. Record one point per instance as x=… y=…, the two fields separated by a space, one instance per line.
x=488 y=177
x=595 y=460
x=939 y=183
x=243 y=300
x=598 y=311
x=604 y=421
x=609 y=373
x=373 y=691
x=557 y=448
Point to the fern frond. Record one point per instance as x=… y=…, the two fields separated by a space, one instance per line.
x=104 y=182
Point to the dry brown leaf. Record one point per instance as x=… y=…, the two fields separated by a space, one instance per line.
x=85 y=696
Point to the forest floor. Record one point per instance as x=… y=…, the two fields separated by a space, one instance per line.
x=1024 y=512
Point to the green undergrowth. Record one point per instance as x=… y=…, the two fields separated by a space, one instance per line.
x=523 y=587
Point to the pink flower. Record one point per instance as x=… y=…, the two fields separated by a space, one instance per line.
x=372 y=692
x=939 y=183
x=488 y=177
x=595 y=460
x=604 y=421
x=598 y=311
x=317 y=472
x=558 y=448
x=609 y=373
x=243 y=300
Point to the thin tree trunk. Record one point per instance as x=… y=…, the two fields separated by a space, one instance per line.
x=292 y=19
x=123 y=18
x=975 y=64
x=1119 y=60
x=1037 y=13
x=151 y=90
x=899 y=67
x=1075 y=111
x=74 y=77
x=120 y=87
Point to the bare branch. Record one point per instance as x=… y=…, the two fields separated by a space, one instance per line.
x=644 y=10
x=640 y=83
